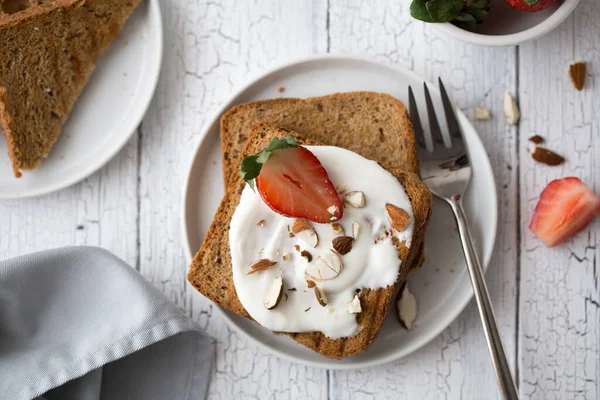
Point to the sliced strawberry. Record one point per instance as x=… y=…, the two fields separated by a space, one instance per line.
x=294 y=183
x=565 y=207
x=530 y=5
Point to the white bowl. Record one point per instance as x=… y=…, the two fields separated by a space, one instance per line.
x=505 y=26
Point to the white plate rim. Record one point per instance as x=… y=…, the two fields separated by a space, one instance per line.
x=329 y=363
x=146 y=96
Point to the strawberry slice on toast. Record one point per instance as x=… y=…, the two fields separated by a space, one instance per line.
x=293 y=182
x=565 y=208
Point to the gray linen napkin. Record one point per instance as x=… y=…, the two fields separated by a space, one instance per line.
x=83 y=323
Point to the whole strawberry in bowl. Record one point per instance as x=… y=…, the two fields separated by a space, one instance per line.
x=531 y=5
x=493 y=23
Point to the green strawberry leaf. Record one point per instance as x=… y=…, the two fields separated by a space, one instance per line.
x=465 y=21
x=418 y=10
x=251 y=165
x=444 y=10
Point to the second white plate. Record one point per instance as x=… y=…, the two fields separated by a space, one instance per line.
x=106 y=114
x=442 y=285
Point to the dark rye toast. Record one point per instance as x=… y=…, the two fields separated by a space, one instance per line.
x=363 y=122
x=211 y=271
x=49 y=50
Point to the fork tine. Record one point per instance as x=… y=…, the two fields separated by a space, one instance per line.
x=434 y=126
x=416 y=120
x=451 y=120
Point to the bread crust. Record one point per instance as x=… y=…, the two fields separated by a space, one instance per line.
x=49 y=51
x=362 y=122
x=211 y=272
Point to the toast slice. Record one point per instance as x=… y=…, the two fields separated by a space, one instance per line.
x=363 y=122
x=211 y=270
x=49 y=51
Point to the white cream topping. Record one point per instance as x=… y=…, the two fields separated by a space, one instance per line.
x=372 y=263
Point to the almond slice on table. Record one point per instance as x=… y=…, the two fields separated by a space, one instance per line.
x=325 y=267
x=399 y=218
x=355 y=198
x=343 y=244
x=577 y=73
x=321 y=298
x=406 y=307
x=274 y=294
x=261 y=265
x=482 y=114
x=354 y=306
x=305 y=232
x=511 y=109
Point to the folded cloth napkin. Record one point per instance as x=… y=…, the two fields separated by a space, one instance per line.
x=79 y=323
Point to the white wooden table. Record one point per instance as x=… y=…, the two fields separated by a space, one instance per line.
x=547 y=301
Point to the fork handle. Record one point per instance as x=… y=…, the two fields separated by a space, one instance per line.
x=484 y=305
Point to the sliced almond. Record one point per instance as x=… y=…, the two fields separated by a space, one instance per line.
x=577 y=73
x=261 y=223
x=355 y=199
x=300 y=225
x=305 y=232
x=326 y=267
x=321 y=298
x=355 y=230
x=332 y=211
x=306 y=255
x=261 y=265
x=399 y=218
x=482 y=114
x=286 y=256
x=343 y=244
x=338 y=229
x=297 y=247
x=311 y=284
x=406 y=307
x=511 y=109
x=274 y=294
x=354 y=306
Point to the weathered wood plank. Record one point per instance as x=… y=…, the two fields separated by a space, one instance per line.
x=100 y=211
x=210 y=48
x=456 y=364
x=559 y=302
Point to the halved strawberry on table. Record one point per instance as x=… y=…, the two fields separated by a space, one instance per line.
x=565 y=208
x=293 y=182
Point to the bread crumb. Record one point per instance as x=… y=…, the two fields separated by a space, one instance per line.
x=281 y=89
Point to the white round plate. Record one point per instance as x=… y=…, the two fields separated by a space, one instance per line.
x=106 y=114
x=442 y=285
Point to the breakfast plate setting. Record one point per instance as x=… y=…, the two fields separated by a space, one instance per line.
x=441 y=286
x=336 y=211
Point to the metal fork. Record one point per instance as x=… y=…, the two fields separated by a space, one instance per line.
x=447 y=172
